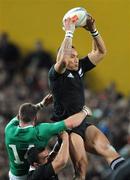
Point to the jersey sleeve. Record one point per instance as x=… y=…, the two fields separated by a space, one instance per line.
x=86 y=64
x=47 y=130
x=53 y=75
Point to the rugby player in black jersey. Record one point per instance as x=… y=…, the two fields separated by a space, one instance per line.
x=45 y=167
x=66 y=84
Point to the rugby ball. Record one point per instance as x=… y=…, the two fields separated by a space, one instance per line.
x=78 y=13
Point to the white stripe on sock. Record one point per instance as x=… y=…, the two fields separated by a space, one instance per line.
x=116 y=162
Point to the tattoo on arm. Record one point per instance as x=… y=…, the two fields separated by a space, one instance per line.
x=65 y=49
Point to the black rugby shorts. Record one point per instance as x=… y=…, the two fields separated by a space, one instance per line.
x=80 y=130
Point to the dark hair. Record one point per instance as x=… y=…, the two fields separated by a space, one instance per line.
x=27 y=112
x=32 y=155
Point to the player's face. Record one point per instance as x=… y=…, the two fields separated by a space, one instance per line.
x=73 y=62
x=43 y=156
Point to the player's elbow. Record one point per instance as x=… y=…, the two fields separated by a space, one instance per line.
x=70 y=123
x=102 y=52
x=62 y=61
x=63 y=161
x=100 y=55
x=60 y=163
x=65 y=61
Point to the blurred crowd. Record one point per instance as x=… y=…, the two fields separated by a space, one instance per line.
x=23 y=78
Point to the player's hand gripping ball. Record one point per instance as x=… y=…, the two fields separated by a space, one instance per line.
x=78 y=14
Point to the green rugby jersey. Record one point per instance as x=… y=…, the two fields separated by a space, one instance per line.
x=19 y=139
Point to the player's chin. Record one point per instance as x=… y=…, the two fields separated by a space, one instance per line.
x=73 y=68
x=76 y=68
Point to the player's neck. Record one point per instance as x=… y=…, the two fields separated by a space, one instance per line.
x=23 y=124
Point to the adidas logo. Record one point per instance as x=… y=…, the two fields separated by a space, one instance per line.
x=70 y=75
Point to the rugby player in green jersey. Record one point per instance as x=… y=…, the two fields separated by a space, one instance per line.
x=21 y=133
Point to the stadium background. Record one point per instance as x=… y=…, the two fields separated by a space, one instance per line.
x=27 y=21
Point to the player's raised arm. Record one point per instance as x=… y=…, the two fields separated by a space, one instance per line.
x=48 y=99
x=98 y=45
x=66 y=46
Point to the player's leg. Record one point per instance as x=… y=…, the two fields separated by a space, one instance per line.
x=123 y=172
x=78 y=156
x=96 y=141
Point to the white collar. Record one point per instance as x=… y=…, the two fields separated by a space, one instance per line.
x=32 y=168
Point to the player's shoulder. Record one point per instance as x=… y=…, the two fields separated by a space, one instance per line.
x=13 y=121
x=51 y=71
x=52 y=67
x=86 y=64
x=53 y=74
x=41 y=126
x=86 y=59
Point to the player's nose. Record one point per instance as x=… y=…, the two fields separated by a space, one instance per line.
x=76 y=60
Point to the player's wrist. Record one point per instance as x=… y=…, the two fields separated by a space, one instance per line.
x=84 y=111
x=69 y=34
x=94 y=33
x=40 y=105
x=87 y=111
x=70 y=31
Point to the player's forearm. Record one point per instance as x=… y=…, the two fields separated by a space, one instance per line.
x=63 y=55
x=65 y=49
x=98 y=50
x=48 y=99
x=99 y=45
x=94 y=47
x=55 y=150
x=63 y=153
x=66 y=46
x=76 y=119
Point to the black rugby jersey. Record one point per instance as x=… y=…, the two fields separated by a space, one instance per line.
x=43 y=172
x=68 y=90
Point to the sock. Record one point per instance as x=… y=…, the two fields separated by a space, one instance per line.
x=117 y=162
